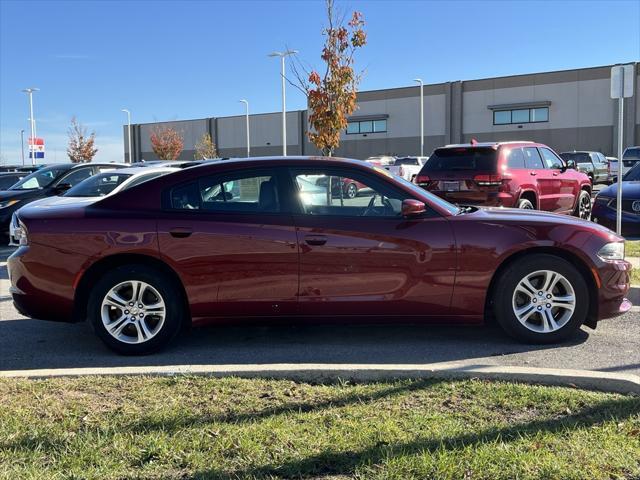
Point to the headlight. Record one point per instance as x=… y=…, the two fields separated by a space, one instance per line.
x=8 y=203
x=612 y=251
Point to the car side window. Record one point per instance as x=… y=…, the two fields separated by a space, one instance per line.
x=551 y=159
x=532 y=158
x=516 y=158
x=347 y=194
x=250 y=192
x=76 y=176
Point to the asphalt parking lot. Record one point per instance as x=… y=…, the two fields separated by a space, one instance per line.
x=33 y=344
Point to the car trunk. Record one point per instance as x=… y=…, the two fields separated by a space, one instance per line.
x=462 y=174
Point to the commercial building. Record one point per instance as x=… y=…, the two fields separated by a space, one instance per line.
x=566 y=110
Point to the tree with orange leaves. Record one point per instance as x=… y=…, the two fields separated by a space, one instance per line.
x=331 y=97
x=166 y=143
x=81 y=147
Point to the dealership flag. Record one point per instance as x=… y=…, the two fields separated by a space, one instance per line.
x=36 y=147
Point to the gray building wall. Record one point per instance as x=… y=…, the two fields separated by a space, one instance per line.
x=581 y=117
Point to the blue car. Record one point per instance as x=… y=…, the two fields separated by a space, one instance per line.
x=604 y=208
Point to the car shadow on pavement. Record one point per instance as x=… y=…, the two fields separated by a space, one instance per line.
x=33 y=344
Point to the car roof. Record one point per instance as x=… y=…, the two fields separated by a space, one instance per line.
x=488 y=144
x=147 y=170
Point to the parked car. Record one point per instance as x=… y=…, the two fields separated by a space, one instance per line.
x=46 y=182
x=605 y=205
x=8 y=179
x=523 y=175
x=613 y=168
x=381 y=160
x=231 y=241
x=93 y=188
x=407 y=167
x=594 y=164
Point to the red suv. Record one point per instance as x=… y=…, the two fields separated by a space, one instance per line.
x=507 y=174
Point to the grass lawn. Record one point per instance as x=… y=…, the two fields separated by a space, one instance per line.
x=198 y=427
x=632 y=249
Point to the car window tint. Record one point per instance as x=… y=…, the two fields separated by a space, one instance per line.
x=253 y=193
x=76 y=176
x=186 y=197
x=348 y=194
x=551 y=159
x=515 y=158
x=532 y=158
x=8 y=181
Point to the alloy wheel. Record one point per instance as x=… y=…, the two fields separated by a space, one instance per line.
x=133 y=312
x=544 y=301
x=585 y=207
x=352 y=190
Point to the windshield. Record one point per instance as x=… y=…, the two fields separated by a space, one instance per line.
x=463 y=158
x=578 y=157
x=98 y=185
x=632 y=154
x=633 y=175
x=40 y=179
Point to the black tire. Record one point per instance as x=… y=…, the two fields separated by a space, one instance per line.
x=505 y=290
x=158 y=281
x=525 y=204
x=583 y=206
x=351 y=191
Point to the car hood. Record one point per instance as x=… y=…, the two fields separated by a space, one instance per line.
x=21 y=194
x=528 y=217
x=630 y=190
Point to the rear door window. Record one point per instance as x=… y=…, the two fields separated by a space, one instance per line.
x=473 y=159
x=515 y=158
x=532 y=158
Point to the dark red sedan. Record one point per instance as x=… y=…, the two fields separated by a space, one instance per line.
x=259 y=239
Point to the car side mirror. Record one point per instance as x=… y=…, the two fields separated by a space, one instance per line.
x=412 y=208
x=571 y=164
x=61 y=188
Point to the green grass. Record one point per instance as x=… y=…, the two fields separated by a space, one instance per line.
x=632 y=249
x=197 y=427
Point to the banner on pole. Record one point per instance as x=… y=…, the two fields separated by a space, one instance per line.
x=36 y=147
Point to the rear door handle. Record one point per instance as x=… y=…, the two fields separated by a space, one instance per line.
x=555 y=174
x=533 y=173
x=315 y=240
x=180 y=232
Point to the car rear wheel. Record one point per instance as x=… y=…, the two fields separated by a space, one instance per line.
x=541 y=299
x=525 y=204
x=583 y=207
x=135 y=309
x=352 y=190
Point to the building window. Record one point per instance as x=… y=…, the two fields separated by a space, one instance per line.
x=366 y=126
x=521 y=115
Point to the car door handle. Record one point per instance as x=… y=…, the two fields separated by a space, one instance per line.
x=315 y=240
x=533 y=173
x=555 y=174
x=180 y=232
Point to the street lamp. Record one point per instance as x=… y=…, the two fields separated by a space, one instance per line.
x=29 y=91
x=421 y=115
x=246 y=104
x=129 y=133
x=22 y=145
x=282 y=56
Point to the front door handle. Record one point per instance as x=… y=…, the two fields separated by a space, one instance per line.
x=533 y=173
x=315 y=240
x=180 y=232
x=555 y=174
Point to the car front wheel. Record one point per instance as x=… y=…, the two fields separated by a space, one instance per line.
x=525 y=204
x=541 y=299
x=135 y=309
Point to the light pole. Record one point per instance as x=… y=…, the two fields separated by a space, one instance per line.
x=246 y=104
x=282 y=56
x=22 y=145
x=29 y=91
x=419 y=80
x=129 y=133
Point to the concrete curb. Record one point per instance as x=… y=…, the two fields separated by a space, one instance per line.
x=585 y=379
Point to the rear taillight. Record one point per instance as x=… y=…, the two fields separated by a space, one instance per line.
x=488 y=180
x=422 y=180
